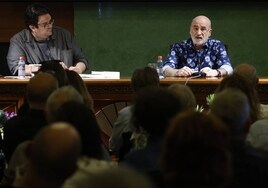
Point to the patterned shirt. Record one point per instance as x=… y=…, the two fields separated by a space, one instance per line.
x=213 y=55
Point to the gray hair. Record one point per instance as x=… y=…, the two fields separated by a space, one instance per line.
x=232 y=107
x=59 y=97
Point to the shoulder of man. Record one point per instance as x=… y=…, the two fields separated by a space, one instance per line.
x=186 y=41
x=183 y=43
x=214 y=41
x=23 y=36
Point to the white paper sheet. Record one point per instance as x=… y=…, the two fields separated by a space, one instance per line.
x=101 y=75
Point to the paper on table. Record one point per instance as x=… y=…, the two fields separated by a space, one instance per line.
x=101 y=75
x=16 y=77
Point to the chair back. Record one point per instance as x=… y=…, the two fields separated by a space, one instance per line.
x=106 y=117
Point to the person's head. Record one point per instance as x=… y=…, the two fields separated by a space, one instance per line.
x=39 y=88
x=84 y=121
x=53 y=67
x=59 y=97
x=38 y=20
x=154 y=108
x=144 y=77
x=195 y=152
x=185 y=95
x=78 y=83
x=200 y=30
x=244 y=85
x=248 y=71
x=258 y=134
x=54 y=152
x=232 y=107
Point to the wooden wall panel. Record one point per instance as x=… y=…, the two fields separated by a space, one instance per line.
x=12 y=14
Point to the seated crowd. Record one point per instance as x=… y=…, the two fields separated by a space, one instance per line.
x=159 y=141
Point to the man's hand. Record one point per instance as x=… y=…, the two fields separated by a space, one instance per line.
x=63 y=65
x=184 y=71
x=76 y=69
x=210 y=72
x=79 y=68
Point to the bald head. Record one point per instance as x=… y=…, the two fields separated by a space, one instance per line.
x=39 y=88
x=202 y=19
x=55 y=150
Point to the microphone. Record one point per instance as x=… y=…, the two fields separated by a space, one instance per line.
x=196 y=75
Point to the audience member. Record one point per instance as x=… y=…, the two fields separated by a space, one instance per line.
x=232 y=106
x=258 y=134
x=185 y=95
x=152 y=112
x=119 y=141
x=78 y=83
x=53 y=157
x=250 y=166
x=243 y=84
x=249 y=72
x=59 y=97
x=84 y=121
x=41 y=41
x=68 y=94
x=94 y=156
x=120 y=177
x=17 y=165
x=195 y=152
x=53 y=67
x=200 y=53
x=24 y=127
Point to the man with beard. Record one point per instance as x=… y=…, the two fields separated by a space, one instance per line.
x=199 y=53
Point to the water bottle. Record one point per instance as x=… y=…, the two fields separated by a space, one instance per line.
x=21 y=67
x=159 y=65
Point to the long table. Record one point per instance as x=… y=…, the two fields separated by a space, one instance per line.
x=104 y=91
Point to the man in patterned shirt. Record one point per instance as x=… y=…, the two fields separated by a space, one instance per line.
x=200 y=53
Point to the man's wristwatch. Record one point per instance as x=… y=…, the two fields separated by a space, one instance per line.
x=219 y=73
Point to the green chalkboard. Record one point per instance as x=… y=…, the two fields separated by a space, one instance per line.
x=123 y=36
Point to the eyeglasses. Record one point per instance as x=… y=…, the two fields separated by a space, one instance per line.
x=47 y=24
